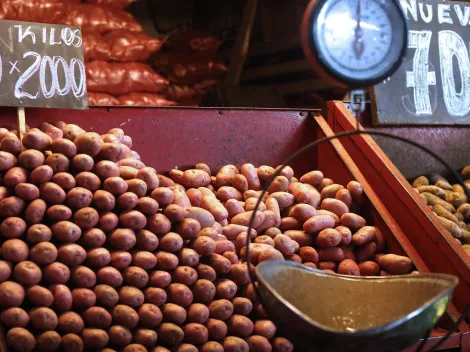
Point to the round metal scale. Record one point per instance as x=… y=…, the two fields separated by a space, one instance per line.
x=354 y=43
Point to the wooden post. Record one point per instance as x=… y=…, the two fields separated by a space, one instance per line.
x=242 y=44
x=21 y=123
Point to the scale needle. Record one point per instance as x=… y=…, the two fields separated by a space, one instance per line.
x=358 y=45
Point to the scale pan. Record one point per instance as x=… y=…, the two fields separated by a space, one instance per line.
x=326 y=312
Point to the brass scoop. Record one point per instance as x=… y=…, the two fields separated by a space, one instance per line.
x=325 y=312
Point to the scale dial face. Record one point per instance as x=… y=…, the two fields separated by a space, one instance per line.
x=357 y=42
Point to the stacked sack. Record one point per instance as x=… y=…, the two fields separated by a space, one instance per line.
x=190 y=64
x=114 y=47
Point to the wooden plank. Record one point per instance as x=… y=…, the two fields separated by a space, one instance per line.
x=242 y=44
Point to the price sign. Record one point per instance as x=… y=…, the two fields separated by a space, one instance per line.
x=41 y=65
x=433 y=84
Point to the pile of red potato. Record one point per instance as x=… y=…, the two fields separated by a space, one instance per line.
x=100 y=252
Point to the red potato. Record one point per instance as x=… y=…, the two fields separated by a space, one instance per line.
x=302 y=212
x=58 y=212
x=284 y=244
x=115 y=185
x=29 y=159
x=232 y=231
x=365 y=252
x=72 y=131
x=258 y=344
x=355 y=189
x=180 y=197
x=64 y=146
x=105 y=169
x=41 y=174
x=135 y=276
x=14 y=250
x=148 y=175
x=11 y=294
x=70 y=322
x=48 y=341
x=195 y=196
x=78 y=198
x=289 y=223
x=127 y=201
x=281 y=344
x=125 y=316
x=21 y=338
x=313 y=178
x=86 y=218
x=279 y=184
x=160 y=279
x=145 y=337
x=27 y=273
x=133 y=219
x=353 y=221
x=56 y=273
x=159 y=224
x=88 y=181
x=173 y=313
x=188 y=228
x=163 y=196
x=335 y=206
x=348 y=267
x=58 y=163
x=94 y=338
x=108 y=221
x=202 y=216
x=97 y=317
x=131 y=296
x=82 y=162
x=197 y=313
x=166 y=261
x=395 y=264
x=62 y=297
x=203 y=291
x=195 y=178
x=364 y=236
x=13 y=227
x=204 y=245
x=88 y=143
x=127 y=172
x=11 y=206
x=235 y=344
x=243 y=219
x=134 y=163
x=27 y=191
x=7 y=161
x=226 y=289
x=170 y=334
x=146 y=240
x=122 y=239
x=147 y=206
x=43 y=318
x=15 y=318
x=223 y=246
x=240 y=182
x=329 y=238
x=155 y=296
x=66 y=232
x=11 y=144
x=217 y=329
x=98 y=257
x=106 y=295
x=345 y=196
x=14 y=176
x=36 y=140
x=211 y=203
x=179 y=294
x=93 y=238
x=144 y=260
x=119 y=336
x=184 y=275
x=195 y=333
x=188 y=257
x=64 y=180
x=319 y=223
x=109 y=276
x=369 y=268
x=251 y=175
x=5 y=270
x=331 y=254
x=71 y=254
x=206 y=272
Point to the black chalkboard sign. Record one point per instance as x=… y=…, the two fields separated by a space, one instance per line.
x=432 y=85
x=41 y=65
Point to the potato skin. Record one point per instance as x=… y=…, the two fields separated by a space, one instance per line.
x=15 y=318
x=21 y=338
x=235 y=344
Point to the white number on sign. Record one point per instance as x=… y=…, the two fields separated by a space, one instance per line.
x=47 y=64
x=420 y=79
x=452 y=45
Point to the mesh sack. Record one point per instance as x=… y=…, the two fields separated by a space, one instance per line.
x=41 y=11
x=115 y=4
x=99 y=19
x=131 y=46
x=144 y=99
x=123 y=78
x=194 y=42
x=101 y=99
x=95 y=47
x=176 y=92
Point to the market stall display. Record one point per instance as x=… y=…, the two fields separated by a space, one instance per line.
x=85 y=200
